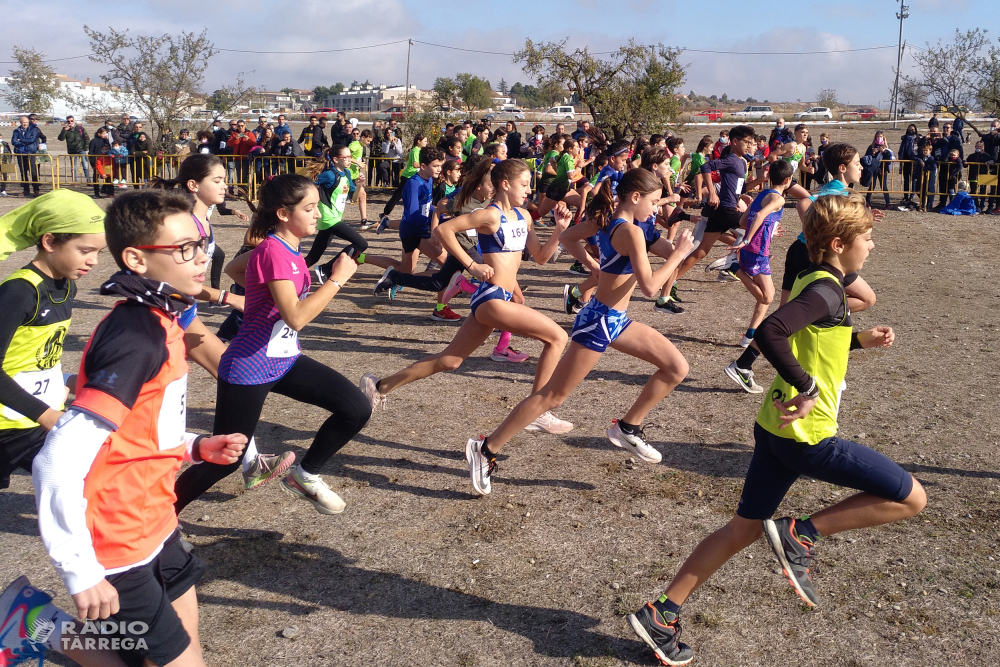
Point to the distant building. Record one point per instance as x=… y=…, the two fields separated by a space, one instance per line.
x=372 y=99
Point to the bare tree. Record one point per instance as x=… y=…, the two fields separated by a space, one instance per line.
x=827 y=98
x=228 y=99
x=158 y=76
x=32 y=85
x=988 y=91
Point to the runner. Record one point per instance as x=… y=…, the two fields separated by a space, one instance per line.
x=808 y=341
x=411 y=168
x=504 y=234
x=603 y=322
x=332 y=177
x=265 y=355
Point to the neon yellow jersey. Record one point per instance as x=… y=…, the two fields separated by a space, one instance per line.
x=334 y=213
x=823 y=353
x=413 y=156
x=34 y=356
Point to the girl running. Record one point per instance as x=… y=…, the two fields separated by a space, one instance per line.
x=603 y=322
x=504 y=233
x=560 y=189
x=332 y=177
x=37 y=302
x=265 y=355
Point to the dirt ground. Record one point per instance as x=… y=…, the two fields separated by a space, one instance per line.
x=419 y=571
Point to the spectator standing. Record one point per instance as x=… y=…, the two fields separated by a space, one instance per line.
x=933 y=123
x=282 y=126
x=308 y=135
x=182 y=146
x=513 y=140
x=137 y=129
x=77 y=140
x=98 y=155
x=338 y=136
x=25 y=139
x=991 y=146
x=259 y=130
x=908 y=150
x=6 y=157
x=125 y=130
x=241 y=142
x=375 y=152
x=142 y=152
x=392 y=158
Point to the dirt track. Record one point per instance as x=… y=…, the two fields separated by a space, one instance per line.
x=418 y=571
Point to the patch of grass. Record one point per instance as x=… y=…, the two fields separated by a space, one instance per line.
x=465 y=660
x=602 y=661
x=708 y=620
x=627 y=603
x=967 y=591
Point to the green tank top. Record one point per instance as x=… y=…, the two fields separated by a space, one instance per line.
x=823 y=353
x=34 y=356
x=334 y=213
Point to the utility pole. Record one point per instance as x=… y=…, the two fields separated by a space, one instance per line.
x=406 y=96
x=904 y=13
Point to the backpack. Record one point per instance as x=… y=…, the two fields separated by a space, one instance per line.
x=869 y=167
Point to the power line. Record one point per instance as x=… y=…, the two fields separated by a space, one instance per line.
x=504 y=53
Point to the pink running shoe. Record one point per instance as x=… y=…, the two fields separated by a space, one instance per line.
x=510 y=354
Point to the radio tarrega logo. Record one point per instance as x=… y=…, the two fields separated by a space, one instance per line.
x=104 y=635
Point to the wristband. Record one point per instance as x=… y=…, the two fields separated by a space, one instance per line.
x=221 y=301
x=469 y=267
x=813 y=391
x=336 y=283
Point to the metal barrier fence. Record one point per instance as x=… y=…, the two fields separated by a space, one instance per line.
x=30 y=172
x=912 y=181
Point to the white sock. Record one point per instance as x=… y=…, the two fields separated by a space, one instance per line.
x=251 y=454
x=305 y=476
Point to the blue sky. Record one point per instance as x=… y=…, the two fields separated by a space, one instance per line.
x=859 y=78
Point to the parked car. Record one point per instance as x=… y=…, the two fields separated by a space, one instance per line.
x=952 y=111
x=516 y=114
x=323 y=112
x=447 y=112
x=393 y=113
x=815 y=113
x=711 y=115
x=861 y=113
x=561 y=113
x=754 y=111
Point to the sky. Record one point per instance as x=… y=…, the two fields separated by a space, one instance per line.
x=306 y=25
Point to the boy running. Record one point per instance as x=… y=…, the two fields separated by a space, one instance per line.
x=808 y=341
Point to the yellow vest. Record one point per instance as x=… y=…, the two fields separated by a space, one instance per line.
x=823 y=353
x=34 y=355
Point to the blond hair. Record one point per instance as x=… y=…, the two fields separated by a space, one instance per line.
x=831 y=217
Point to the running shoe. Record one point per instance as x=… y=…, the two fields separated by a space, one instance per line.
x=559 y=250
x=365 y=225
x=745 y=342
x=510 y=354
x=481 y=468
x=315 y=491
x=385 y=283
x=717 y=265
x=3 y=193
x=744 y=378
x=549 y=423
x=433 y=266
x=393 y=291
x=368 y=384
x=794 y=553
x=726 y=276
x=320 y=274
x=446 y=314
x=27 y=623
x=383 y=224
x=265 y=468
x=661 y=635
x=453 y=288
x=669 y=307
x=578 y=269
x=634 y=443
x=673 y=294
x=570 y=302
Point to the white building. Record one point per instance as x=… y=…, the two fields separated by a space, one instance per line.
x=372 y=99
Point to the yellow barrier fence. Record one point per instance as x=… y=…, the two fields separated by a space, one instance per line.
x=30 y=172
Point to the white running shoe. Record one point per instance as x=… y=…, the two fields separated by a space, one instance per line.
x=480 y=467
x=717 y=265
x=368 y=386
x=634 y=443
x=315 y=491
x=726 y=276
x=745 y=342
x=549 y=423
x=744 y=379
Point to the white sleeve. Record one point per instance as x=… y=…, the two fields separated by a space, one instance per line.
x=58 y=473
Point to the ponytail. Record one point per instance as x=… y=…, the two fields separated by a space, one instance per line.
x=602 y=205
x=196 y=167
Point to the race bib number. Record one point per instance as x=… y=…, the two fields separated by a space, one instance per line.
x=425 y=210
x=739 y=185
x=284 y=341
x=341 y=202
x=172 y=422
x=47 y=386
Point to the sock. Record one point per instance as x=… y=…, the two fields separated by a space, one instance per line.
x=249 y=454
x=303 y=475
x=666 y=606
x=378 y=386
x=485 y=451
x=467 y=286
x=364 y=221
x=631 y=429
x=438 y=308
x=805 y=529
x=660 y=300
x=751 y=331
x=745 y=362
x=504 y=342
x=576 y=292
x=360 y=259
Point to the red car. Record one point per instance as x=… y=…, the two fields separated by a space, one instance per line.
x=711 y=114
x=323 y=111
x=864 y=113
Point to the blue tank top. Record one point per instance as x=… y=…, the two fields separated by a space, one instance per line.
x=511 y=237
x=611 y=260
x=648 y=228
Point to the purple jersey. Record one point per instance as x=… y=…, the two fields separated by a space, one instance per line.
x=760 y=242
x=266 y=347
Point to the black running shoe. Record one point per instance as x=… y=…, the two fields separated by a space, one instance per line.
x=570 y=302
x=578 y=269
x=384 y=283
x=794 y=554
x=321 y=274
x=669 y=307
x=661 y=635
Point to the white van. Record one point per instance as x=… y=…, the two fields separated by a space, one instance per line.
x=562 y=113
x=753 y=112
x=257 y=113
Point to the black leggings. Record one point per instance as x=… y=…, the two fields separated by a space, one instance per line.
x=238 y=409
x=340 y=230
x=397 y=196
x=218 y=263
x=437 y=281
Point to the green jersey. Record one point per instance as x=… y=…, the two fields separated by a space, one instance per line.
x=413 y=156
x=357 y=152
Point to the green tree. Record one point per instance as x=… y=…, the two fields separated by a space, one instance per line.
x=475 y=92
x=631 y=91
x=826 y=98
x=31 y=85
x=158 y=76
x=503 y=87
x=445 y=91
